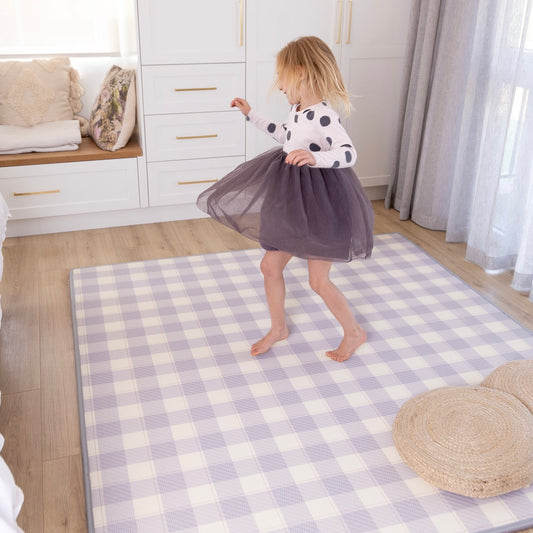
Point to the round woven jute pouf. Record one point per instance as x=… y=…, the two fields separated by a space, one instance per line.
x=516 y=378
x=473 y=441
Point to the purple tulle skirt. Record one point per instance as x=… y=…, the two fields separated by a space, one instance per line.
x=312 y=213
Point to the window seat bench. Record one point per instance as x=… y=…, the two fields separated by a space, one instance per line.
x=47 y=192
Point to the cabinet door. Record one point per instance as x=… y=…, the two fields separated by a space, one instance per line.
x=271 y=25
x=189 y=31
x=372 y=52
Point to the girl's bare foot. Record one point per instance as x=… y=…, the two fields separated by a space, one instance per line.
x=348 y=345
x=268 y=340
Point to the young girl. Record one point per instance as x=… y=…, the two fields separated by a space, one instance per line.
x=303 y=199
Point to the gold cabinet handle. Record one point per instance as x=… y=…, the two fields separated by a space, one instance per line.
x=339 y=25
x=184 y=137
x=241 y=23
x=194 y=182
x=195 y=89
x=55 y=191
x=350 y=6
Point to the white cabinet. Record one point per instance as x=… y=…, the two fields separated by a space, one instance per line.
x=35 y=191
x=368 y=38
x=192 y=65
x=196 y=56
x=371 y=48
x=191 y=31
x=270 y=26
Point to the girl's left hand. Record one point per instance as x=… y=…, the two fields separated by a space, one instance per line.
x=300 y=158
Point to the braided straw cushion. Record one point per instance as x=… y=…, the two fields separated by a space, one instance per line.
x=516 y=378
x=473 y=441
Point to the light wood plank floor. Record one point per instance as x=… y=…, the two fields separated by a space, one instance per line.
x=39 y=416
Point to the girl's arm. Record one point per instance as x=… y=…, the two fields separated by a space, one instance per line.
x=277 y=131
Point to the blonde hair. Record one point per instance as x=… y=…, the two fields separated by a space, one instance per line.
x=309 y=60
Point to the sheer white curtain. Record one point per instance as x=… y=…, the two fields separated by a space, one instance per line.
x=466 y=149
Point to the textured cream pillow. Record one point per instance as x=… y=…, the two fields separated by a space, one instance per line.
x=42 y=90
x=113 y=114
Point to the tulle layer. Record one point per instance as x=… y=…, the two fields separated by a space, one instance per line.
x=312 y=213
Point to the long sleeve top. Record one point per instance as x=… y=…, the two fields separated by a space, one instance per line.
x=316 y=129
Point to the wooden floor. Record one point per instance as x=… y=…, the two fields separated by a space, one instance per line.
x=39 y=416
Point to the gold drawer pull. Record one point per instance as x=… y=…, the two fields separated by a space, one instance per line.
x=195 y=89
x=241 y=23
x=339 y=27
x=348 y=41
x=196 y=137
x=194 y=182
x=55 y=191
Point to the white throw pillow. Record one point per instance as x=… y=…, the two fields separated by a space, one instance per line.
x=42 y=90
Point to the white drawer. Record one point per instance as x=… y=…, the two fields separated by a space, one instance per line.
x=180 y=182
x=194 y=135
x=34 y=191
x=191 y=88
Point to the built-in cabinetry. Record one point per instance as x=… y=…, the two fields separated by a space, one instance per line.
x=193 y=65
x=58 y=189
x=368 y=39
x=192 y=61
x=271 y=25
x=371 y=48
x=51 y=191
x=193 y=58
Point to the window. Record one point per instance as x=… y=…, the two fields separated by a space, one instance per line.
x=32 y=28
x=517 y=91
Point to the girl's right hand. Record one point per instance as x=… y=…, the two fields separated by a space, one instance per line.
x=242 y=104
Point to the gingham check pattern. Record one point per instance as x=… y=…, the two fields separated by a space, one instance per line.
x=185 y=431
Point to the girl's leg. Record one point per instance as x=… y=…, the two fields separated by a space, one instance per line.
x=354 y=334
x=272 y=267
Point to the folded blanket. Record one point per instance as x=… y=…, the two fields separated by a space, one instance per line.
x=45 y=137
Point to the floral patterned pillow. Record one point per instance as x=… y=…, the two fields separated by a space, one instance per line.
x=113 y=115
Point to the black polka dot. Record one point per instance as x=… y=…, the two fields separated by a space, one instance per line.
x=325 y=120
x=329 y=139
x=346 y=145
x=314 y=147
x=348 y=157
x=324 y=103
x=271 y=127
x=335 y=165
x=289 y=135
x=310 y=115
x=295 y=118
x=247 y=117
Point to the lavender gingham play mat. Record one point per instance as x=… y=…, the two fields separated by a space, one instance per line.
x=184 y=431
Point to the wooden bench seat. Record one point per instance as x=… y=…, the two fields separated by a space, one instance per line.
x=88 y=151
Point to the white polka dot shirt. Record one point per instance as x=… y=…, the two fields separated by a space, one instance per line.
x=316 y=129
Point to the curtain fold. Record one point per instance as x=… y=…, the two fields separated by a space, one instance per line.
x=466 y=144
